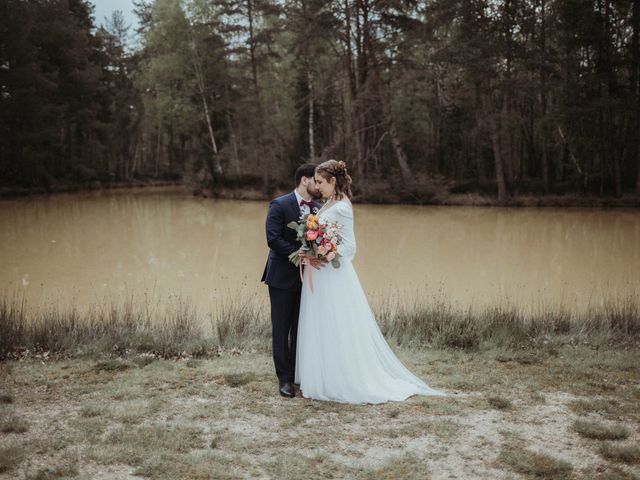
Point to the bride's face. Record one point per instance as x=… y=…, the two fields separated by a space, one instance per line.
x=325 y=187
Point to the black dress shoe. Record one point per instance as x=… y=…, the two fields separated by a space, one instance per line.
x=287 y=390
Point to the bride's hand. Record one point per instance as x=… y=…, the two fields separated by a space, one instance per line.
x=317 y=263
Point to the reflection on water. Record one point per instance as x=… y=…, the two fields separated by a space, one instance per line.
x=82 y=248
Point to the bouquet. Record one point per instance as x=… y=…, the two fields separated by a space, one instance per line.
x=318 y=240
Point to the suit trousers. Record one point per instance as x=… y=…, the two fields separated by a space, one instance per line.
x=285 y=308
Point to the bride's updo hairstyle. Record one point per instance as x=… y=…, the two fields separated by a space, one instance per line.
x=337 y=169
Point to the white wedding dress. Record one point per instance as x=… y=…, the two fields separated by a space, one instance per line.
x=341 y=353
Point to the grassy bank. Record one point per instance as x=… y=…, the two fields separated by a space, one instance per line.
x=374 y=194
x=179 y=329
x=390 y=196
x=68 y=187
x=564 y=413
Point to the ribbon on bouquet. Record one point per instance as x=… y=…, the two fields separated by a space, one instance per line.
x=309 y=268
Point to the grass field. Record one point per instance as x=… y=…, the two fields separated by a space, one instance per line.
x=124 y=393
x=550 y=413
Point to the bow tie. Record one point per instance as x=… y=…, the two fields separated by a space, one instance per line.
x=308 y=204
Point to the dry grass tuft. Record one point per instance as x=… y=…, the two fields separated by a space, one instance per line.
x=13 y=425
x=238 y=379
x=624 y=453
x=167 y=465
x=536 y=464
x=599 y=431
x=90 y=411
x=598 y=405
x=142 y=361
x=528 y=359
x=192 y=363
x=500 y=403
x=612 y=474
x=64 y=471
x=11 y=457
x=405 y=467
x=134 y=445
x=113 y=365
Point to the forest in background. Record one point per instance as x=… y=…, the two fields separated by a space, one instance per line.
x=499 y=97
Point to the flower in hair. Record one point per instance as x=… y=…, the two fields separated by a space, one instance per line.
x=341 y=167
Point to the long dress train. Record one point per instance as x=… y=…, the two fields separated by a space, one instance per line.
x=342 y=355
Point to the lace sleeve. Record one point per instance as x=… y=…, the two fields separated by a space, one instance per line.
x=344 y=216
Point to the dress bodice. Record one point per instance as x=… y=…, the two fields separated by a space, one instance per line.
x=341 y=213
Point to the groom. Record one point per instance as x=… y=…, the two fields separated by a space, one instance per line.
x=282 y=277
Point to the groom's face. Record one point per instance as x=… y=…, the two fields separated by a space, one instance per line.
x=311 y=187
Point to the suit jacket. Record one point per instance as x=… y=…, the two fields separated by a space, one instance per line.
x=279 y=272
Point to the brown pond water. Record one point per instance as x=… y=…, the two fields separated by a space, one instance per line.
x=84 y=248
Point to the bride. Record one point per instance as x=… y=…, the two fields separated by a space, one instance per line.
x=342 y=355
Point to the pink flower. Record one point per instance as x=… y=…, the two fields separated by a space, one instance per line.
x=322 y=250
x=312 y=234
x=331 y=256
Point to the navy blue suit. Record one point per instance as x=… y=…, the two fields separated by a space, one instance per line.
x=283 y=279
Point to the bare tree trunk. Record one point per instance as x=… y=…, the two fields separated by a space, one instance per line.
x=401 y=156
x=216 y=159
x=635 y=84
x=506 y=105
x=610 y=87
x=141 y=156
x=133 y=155
x=171 y=148
x=576 y=163
x=617 y=176
x=263 y=157
x=506 y=123
x=159 y=145
x=312 y=145
x=543 y=92
x=134 y=146
x=234 y=143
x=495 y=143
x=478 y=109
x=436 y=137
x=214 y=165
x=545 y=159
x=130 y=140
x=355 y=78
